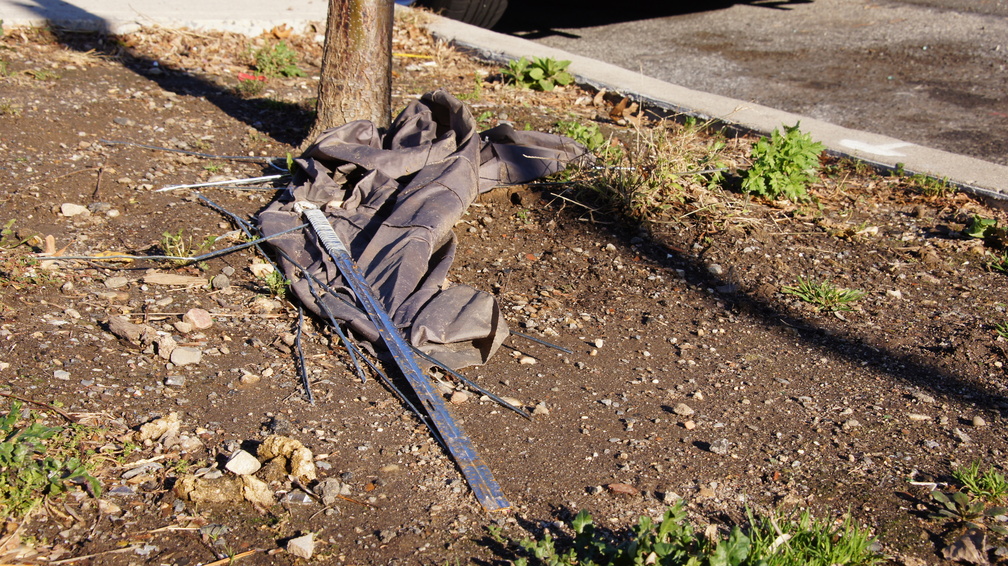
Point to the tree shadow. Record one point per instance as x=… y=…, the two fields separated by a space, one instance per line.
x=534 y=20
x=82 y=31
x=849 y=345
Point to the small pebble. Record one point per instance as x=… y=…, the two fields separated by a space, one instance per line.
x=599 y=342
x=720 y=447
x=683 y=410
x=540 y=409
x=175 y=381
x=116 y=282
x=527 y=360
x=979 y=421
x=198 y=318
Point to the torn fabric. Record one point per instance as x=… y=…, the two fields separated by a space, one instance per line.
x=393 y=200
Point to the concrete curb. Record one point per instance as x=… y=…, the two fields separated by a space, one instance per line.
x=973 y=175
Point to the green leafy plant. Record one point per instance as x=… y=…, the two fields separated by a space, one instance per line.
x=997 y=262
x=277 y=60
x=783 y=165
x=989 y=484
x=823 y=295
x=37 y=462
x=978 y=226
x=930 y=186
x=276 y=283
x=768 y=541
x=182 y=248
x=966 y=512
x=587 y=135
x=541 y=73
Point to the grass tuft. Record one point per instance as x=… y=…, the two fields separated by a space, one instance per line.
x=823 y=295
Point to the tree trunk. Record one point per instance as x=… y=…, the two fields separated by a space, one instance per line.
x=356 y=78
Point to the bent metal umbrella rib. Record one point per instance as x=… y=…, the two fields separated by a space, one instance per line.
x=476 y=472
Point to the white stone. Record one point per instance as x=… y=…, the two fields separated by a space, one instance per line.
x=71 y=209
x=242 y=464
x=302 y=546
x=185 y=355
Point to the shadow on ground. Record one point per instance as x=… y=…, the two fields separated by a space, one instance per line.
x=533 y=20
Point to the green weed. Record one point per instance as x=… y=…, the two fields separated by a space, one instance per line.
x=541 y=73
x=8 y=108
x=823 y=295
x=997 y=262
x=930 y=187
x=989 y=484
x=979 y=227
x=587 y=135
x=183 y=248
x=477 y=91
x=42 y=74
x=249 y=88
x=768 y=541
x=277 y=284
x=277 y=60
x=484 y=119
x=966 y=512
x=783 y=165
x=655 y=172
x=38 y=462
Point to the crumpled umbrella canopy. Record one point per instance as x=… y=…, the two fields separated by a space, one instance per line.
x=393 y=200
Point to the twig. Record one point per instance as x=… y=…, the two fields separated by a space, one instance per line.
x=97 y=187
x=40 y=404
x=95 y=555
x=190 y=259
x=229 y=560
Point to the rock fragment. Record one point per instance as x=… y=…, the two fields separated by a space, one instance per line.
x=198 y=318
x=185 y=355
x=683 y=410
x=242 y=464
x=302 y=546
x=296 y=458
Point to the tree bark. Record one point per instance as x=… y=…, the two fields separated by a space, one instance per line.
x=356 y=77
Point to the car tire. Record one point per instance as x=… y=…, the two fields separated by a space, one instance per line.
x=482 y=13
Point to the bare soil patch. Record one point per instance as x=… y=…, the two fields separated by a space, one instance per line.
x=692 y=374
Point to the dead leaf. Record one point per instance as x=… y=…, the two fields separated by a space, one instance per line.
x=282 y=31
x=971 y=547
x=599 y=99
x=616 y=114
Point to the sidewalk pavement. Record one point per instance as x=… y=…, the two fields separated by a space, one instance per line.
x=252 y=17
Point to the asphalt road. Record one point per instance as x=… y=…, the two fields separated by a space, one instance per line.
x=932 y=72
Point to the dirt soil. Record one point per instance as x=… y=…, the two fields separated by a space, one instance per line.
x=691 y=373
